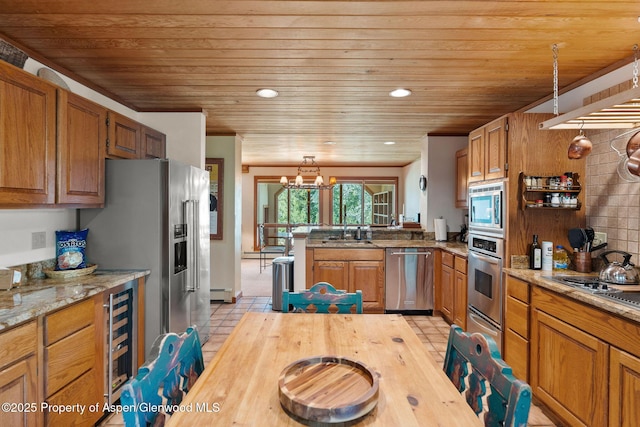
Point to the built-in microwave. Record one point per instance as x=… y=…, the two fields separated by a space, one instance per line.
x=487 y=208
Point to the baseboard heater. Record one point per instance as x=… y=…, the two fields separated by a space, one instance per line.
x=225 y=295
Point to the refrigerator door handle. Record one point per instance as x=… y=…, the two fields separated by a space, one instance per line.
x=190 y=214
x=195 y=238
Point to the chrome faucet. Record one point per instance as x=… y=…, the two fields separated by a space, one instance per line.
x=344 y=222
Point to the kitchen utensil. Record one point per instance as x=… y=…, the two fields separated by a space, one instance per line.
x=590 y=235
x=618 y=273
x=576 y=238
x=633 y=144
x=580 y=147
x=633 y=164
x=623 y=169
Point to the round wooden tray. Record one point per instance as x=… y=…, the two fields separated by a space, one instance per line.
x=328 y=389
x=68 y=274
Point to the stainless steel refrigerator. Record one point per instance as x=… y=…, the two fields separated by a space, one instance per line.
x=156 y=217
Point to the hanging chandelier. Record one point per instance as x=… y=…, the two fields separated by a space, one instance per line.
x=308 y=167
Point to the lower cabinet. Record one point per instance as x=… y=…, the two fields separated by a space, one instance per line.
x=453 y=289
x=18 y=376
x=72 y=362
x=584 y=362
x=460 y=292
x=624 y=386
x=516 y=326
x=351 y=270
x=447 y=285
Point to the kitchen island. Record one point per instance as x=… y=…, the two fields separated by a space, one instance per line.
x=324 y=254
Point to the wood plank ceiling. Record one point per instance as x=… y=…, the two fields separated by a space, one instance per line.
x=333 y=63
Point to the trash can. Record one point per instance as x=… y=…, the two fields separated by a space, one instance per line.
x=282 y=279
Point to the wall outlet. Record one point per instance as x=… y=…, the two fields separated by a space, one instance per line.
x=599 y=238
x=38 y=239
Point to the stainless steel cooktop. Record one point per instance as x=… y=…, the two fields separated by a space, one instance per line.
x=593 y=285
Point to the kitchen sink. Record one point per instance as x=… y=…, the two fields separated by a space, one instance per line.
x=346 y=241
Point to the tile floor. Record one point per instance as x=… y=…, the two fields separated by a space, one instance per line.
x=433 y=332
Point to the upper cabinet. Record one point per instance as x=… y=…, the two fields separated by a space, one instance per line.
x=81 y=135
x=27 y=138
x=488 y=151
x=462 y=178
x=128 y=139
x=54 y=142
x=124 y=137
x=154 y=144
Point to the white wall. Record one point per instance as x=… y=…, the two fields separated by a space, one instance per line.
x=185 y=142
x=225 y=253
x=412 y=193
x=439 y=168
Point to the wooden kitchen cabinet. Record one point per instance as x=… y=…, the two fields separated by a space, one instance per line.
x=81 y=136
x=462 y=178
x=584 y=361
x=447 y=285
x=124 y=137
x=488 y=151
x=453 y=289
x=624 y=386
x=351 y=270
x=460 y=292
x=18 y=375
x=154 y=144
x=516 y=326
x=27 y=138
x=73 y=361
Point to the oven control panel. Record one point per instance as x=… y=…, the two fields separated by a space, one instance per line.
x=487 y=245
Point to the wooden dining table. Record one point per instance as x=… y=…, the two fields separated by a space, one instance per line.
x=240 y=385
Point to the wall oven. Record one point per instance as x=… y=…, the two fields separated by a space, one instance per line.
x=487 y=208
x=484 y=284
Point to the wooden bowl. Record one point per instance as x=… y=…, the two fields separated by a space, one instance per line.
x=328 y=389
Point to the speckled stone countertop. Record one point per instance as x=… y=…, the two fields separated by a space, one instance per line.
x=538 y=278
x=41 y=296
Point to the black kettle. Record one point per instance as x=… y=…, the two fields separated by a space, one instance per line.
x=617 y=273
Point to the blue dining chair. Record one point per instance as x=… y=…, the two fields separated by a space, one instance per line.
x=174 y=366
x=323 y=298
x=474 y=365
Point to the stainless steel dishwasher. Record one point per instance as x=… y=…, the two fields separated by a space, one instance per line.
x=409 y=281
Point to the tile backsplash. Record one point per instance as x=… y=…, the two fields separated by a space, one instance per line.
x=612 y=203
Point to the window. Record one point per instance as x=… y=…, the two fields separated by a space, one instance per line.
x=363 y=201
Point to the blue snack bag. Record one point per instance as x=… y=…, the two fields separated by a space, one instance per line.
x=70 y=248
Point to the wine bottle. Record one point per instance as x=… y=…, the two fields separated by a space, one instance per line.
x=535 y=254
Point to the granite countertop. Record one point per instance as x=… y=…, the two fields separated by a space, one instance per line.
x=538 y=278
x=41 y=296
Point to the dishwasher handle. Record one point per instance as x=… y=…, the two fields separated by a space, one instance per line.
x=411 y=253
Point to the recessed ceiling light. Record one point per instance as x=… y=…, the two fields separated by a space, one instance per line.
x=330 y=143
x=267 y=93
x=389 y=142
x=400 y=93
